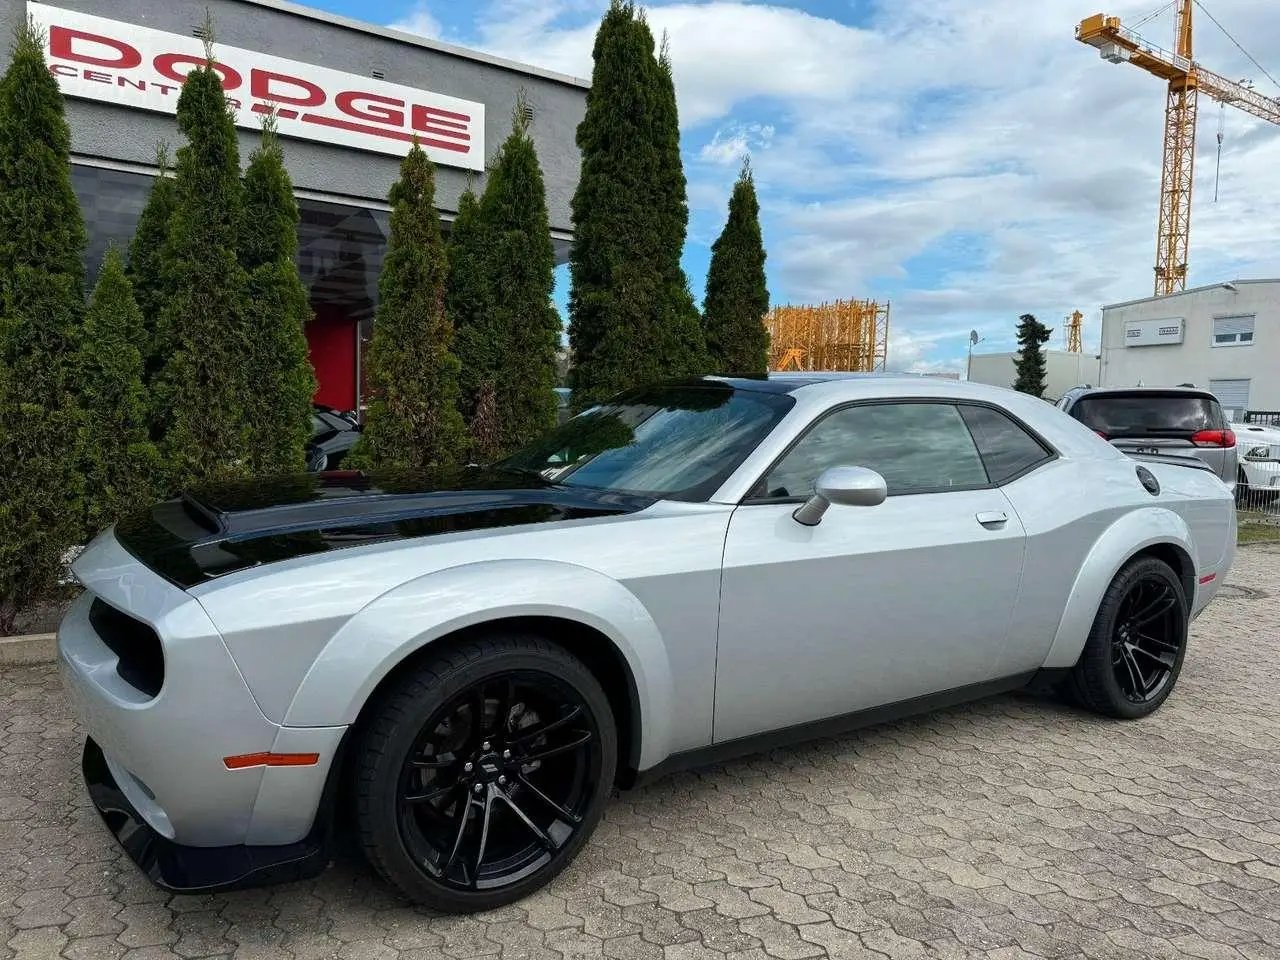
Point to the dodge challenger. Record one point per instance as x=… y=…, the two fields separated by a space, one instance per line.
x=454 y=671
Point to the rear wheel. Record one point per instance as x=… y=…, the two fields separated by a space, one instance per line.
x=483 y=772
x=1135 y=650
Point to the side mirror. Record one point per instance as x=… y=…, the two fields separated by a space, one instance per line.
x=847 y=486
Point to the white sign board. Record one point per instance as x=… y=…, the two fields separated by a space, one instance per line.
x=95 y=58
x=1146 y=333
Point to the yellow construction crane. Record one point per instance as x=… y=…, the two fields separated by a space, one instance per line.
x=1072 y=331
x=1186 y=79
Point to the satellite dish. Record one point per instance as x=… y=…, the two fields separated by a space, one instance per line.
x=973 y=336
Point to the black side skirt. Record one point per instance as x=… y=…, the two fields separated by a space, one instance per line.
x=834 y=726
x=189 y=870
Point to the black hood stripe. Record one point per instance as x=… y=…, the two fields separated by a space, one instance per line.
x=210 y=533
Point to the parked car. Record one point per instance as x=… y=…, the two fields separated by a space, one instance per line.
x=1258 y=482
x=333 y=434
x=1179 y=421
x=469 y=663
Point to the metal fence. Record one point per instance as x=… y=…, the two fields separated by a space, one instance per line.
x=1261 y=502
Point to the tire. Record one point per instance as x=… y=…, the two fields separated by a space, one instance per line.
x=407 y=814
x=1112 y=669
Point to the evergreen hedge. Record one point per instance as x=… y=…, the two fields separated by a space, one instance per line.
x=469 y=302
x=737 y=296
x=277 y=364
x=631 y=316
x=42 y=242
x=412 y=420
x=122 y=466
x=202 y=391
x=146 y=263
x=521 y=260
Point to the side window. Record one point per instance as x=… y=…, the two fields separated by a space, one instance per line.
x=1006 y=448
x=916 y=447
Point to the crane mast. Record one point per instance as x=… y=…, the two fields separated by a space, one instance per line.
x=1186 y=79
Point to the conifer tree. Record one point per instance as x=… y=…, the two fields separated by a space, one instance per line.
x=469 y=301
x=631 y=316
x=202 y=390
x=737 y=296
x=277 y=364
x=1030 y=362
x=146 y=259
x=521 y=262
x=122 y=466
x=413 y=419
x=42 y=241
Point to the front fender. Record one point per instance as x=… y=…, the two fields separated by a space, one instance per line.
x=408 y=617
x=1127 y=536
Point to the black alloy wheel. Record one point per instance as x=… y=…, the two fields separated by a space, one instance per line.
x=1143 y=658
x=499 y=780
x=481 y=773
x=1134 y=652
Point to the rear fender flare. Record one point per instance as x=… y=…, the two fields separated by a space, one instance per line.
x=1123 y=539
x=408 y=617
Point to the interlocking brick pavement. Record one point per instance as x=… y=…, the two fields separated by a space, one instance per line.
x=1011 y=828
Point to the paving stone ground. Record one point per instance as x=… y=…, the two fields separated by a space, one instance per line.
x=1011 y=828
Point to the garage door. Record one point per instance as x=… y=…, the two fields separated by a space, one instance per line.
x=1233 y=395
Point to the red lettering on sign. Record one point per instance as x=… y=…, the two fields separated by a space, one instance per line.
x=440 y=122
x=374 y=108
x=62 y=70
x=352 y=127
x=97 y=76
x=265 y=86
x=167 y=63
x=61 y=47
x=165 y=89
x=126 y=82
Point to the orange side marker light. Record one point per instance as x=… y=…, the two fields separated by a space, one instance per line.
x=246 y=760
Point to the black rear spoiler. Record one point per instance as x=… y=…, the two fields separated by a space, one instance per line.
x=1194 y=462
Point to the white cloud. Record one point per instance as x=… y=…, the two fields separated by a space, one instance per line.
x=421 y=21
x=969 y=155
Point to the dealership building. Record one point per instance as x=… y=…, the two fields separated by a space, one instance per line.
x=1224 y=337
x=350 y=99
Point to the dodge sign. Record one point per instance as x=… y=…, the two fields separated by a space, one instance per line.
x=95 y=58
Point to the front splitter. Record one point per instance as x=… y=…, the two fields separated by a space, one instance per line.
x=192 y=870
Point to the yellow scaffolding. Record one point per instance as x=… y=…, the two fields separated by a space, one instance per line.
x=846 y=335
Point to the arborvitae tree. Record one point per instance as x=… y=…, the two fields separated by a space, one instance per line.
x=202 y=389
x=737 y=295
x=122 y=466
x=42 y=241
x=486 y=425
x=632 y=318
x=469 y=301
x=277 y=363
x=1030 y=362
x=146 y=263
x=413 y=419
x=521 y=263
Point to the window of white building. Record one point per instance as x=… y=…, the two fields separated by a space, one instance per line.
x=1233 y=331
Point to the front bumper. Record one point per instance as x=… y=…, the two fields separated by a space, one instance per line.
x=184 y=869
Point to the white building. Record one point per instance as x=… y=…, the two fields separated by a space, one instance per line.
x=1224 y=337
x=1063 y=370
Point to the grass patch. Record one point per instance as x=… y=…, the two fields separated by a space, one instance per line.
x=1251 y=531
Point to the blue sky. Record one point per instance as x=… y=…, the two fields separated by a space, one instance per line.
x=966 y=160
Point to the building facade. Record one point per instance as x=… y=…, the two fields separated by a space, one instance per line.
x=1224 y=337
x=1063 y=370
x=350 y=99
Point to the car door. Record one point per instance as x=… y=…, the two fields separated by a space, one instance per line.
x=872 y=605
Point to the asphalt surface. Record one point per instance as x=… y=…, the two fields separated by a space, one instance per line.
x=1013 y=827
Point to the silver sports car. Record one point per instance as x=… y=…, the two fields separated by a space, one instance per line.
x=455 y=671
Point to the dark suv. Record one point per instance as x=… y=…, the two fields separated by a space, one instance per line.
x=1182 y=421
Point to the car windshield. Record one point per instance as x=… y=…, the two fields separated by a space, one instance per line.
x=679 y=442
x=1150 y=414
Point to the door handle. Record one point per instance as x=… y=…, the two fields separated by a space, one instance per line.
x=992 y=518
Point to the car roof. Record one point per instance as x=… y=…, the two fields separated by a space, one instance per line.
x=1189 y=391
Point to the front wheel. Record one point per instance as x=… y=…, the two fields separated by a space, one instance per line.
x=1135 y=650
x=483 y=772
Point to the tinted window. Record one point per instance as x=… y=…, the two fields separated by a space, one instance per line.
x=916 y=447
x=679 y=442
x=1149 y=414
x=1006 y=448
